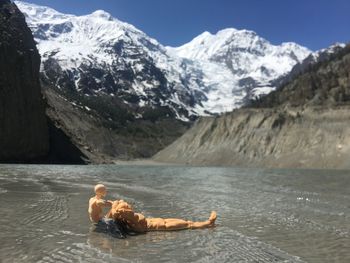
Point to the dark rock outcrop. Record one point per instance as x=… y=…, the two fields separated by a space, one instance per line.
x=23 y=127
x=62 y=149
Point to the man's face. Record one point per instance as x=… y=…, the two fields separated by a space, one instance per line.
x=102 y=192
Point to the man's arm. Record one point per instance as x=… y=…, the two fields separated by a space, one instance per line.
x=109 y=202
x=104 y=203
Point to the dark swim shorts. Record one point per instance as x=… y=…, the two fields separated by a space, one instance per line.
x=111 y=227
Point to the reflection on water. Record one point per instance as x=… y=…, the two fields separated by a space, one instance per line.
x=264 y=215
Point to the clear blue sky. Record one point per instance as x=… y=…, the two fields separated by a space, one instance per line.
x=313 y=23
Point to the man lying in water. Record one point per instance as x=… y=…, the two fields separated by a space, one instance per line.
x=122 y=212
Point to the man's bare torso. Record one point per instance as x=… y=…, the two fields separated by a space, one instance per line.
x=95 y=210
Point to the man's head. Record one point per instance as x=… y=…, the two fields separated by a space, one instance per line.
x=100 y=190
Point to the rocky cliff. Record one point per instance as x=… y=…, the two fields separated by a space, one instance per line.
x=23 y=128
x=303 y=124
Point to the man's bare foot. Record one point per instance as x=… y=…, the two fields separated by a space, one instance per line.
x=212 y=217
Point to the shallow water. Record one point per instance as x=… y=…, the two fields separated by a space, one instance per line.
x=264 y=215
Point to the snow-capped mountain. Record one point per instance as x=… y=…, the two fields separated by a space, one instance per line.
x=99 y=55
x=240 y=63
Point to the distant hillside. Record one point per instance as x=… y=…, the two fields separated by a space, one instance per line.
x=322 y=83
x=306 y=123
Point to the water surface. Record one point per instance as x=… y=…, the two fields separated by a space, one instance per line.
x=264 y=215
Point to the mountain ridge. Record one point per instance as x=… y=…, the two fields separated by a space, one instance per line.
x=141 y=71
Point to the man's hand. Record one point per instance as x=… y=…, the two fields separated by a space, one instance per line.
x=104 y=203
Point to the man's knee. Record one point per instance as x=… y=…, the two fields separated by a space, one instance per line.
x=158 y=224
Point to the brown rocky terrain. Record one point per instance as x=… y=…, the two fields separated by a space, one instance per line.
x=23 y=128
x=305 y=124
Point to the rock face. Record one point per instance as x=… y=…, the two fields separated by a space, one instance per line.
x=23 y=128
x=90 y=137
x=305 y=123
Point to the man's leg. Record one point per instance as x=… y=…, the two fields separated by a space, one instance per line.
x=168 y=224
x=123 y=211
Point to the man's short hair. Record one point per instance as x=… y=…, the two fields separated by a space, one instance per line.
x=99 y=187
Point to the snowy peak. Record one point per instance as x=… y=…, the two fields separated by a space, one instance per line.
x=102 y=15
x=75 y=39
x=102 y=20
x=208 y=46
x=42 y=14
x=294 y=49
x=249 y=57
